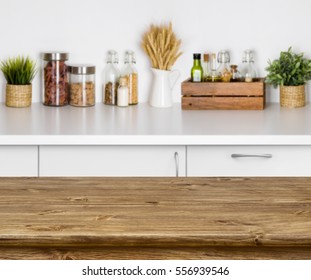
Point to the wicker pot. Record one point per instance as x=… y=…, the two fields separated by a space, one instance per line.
x=292 y=96
x=18 y=96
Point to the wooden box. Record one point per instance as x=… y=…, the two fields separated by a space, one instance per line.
x=224 y=96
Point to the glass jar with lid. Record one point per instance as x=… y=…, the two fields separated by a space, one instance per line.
x=54 y=79
x=248 y=66
x=111 y=79
x=129 y=72
x=82 y=85
x=223 y=69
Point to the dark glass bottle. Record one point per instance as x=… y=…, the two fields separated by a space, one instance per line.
x=197 y=70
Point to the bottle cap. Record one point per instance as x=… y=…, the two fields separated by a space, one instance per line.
x=112 y=57
x=123 y=81
x=196 y=56
x=206 y=57
x=248 y=56
x=129 y=57
x=223 y=56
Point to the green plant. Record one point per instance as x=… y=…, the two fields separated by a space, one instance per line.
x=290 y=69
x=18 y=70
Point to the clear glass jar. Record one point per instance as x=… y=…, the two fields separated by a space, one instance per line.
x=248 y=66
x=223 y=69
x=54 y=79
x=111 y=79
x=130 y=73
x=82 y=85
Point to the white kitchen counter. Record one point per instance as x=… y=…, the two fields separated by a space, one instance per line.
x=144 y=125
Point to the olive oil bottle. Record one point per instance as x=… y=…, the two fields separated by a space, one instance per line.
x=214 y=76
x=197 y=70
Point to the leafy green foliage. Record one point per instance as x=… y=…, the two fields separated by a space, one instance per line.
x=18 y=70
x=289 y=70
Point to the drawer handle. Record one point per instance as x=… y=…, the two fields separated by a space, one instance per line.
x=251 y=156
x=177 y=163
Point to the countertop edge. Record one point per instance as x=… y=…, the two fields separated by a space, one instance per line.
x=153 y=140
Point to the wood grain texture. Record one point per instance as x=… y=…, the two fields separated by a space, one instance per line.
x=224 y=96
x=175 y=217
x=223 y=103
x=257 y=88
x=156 y=253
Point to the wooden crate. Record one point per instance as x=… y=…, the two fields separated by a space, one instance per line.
x=224 y=96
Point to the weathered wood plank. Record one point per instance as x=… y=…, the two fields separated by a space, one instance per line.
x=182 y=215
x=223 y=103
x=156 y=253
x=219 y=88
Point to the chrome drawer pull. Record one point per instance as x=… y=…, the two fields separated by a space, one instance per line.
x=177 y=163
x=251 y=156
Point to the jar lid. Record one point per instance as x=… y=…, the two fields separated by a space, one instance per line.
x=55 y=56
x=81 y=69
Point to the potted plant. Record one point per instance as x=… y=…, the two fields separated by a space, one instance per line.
x=19 y=73
x=291 y=72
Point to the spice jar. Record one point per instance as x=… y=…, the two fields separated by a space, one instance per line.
x=111 y=79
x=55 y=80
x=223 y=68
x=82 y=85
x=235 y=74
x=130 y=73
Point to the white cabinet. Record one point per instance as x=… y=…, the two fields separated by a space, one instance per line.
x=18 y=161
x=109 y=161
x=248 y=161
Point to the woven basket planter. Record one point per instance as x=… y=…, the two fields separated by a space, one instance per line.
x=18 y=96
x=292 y=96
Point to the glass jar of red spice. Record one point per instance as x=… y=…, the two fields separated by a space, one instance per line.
x=55 y=90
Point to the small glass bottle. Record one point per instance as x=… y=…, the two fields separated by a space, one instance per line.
x=111 y=79
x=82 y=85
x=206 y=67
x=213 y=77
x=235 y=74
x=223 y=69
x=248 y=66
x=130 y=73
x=197 y=70
x=54 y=79
x=123 y=93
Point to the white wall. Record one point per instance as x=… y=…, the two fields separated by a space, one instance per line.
x=87 y=29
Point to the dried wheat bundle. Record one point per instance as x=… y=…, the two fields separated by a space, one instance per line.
x=161 y=46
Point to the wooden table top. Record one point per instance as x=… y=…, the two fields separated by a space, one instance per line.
x=155 y=211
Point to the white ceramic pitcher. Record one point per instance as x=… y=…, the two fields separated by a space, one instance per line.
x=162 y=85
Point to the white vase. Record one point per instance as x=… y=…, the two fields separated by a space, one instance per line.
x=162 y=85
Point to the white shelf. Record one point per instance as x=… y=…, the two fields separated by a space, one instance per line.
x=144 y=125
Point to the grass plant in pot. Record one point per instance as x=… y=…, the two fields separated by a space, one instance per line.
x=19 y=73
x=291 y=72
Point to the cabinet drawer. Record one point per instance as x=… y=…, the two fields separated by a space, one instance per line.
x=249 y=161
x=18 y=161
x=110 y=161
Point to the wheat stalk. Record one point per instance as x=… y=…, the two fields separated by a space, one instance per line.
x=161 y=46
